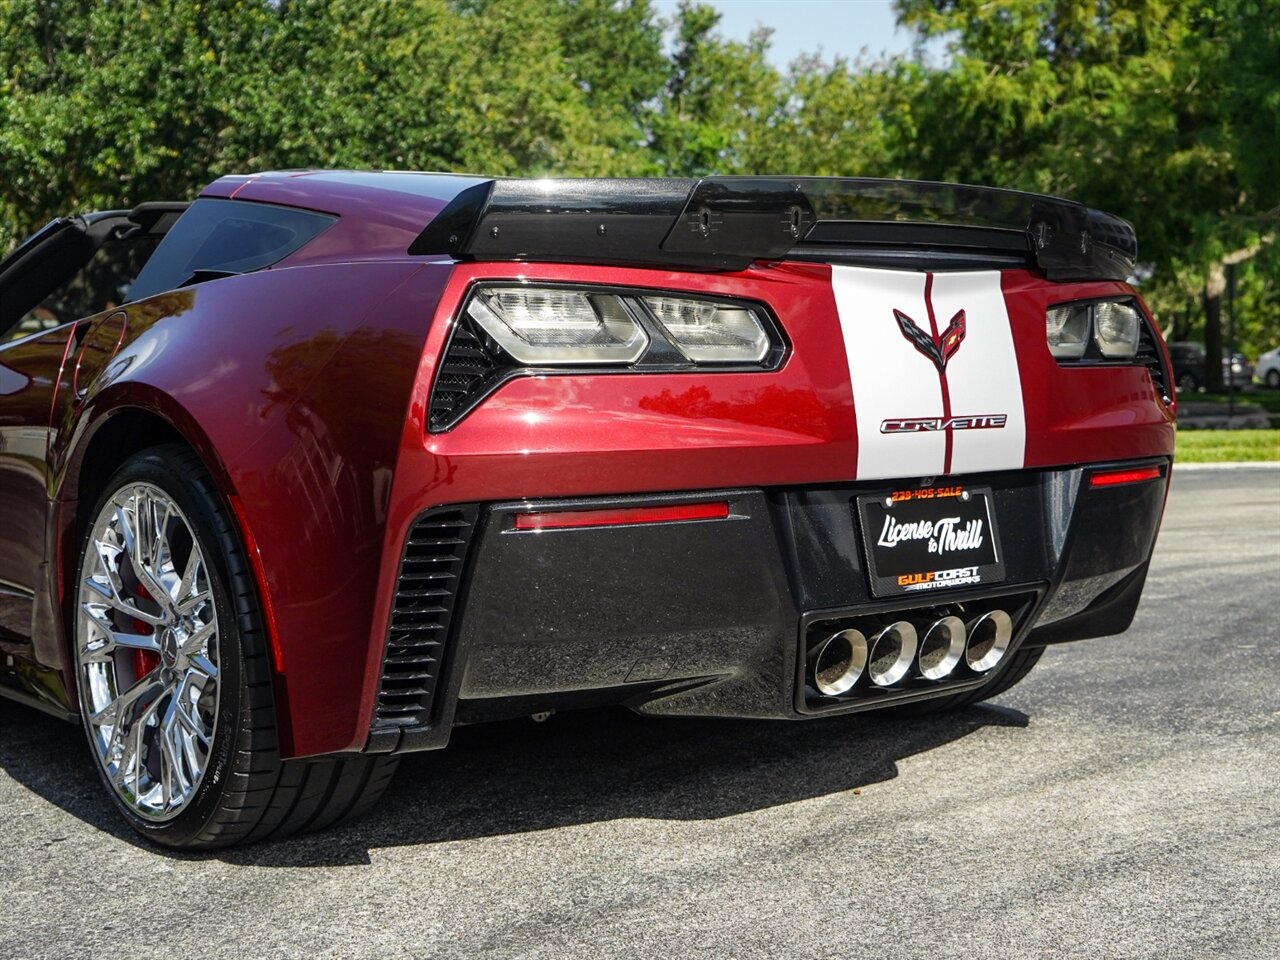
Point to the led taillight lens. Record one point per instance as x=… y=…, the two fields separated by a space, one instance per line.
x=1115 y=329
x=1095 y=330
x=554 y=326
x=544 y=325
x=1067 y=329
x=709 y=332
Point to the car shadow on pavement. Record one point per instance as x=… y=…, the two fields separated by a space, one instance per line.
x=518 y=776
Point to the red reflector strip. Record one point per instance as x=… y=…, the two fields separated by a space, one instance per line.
x=621 y=516
x=1114 y=478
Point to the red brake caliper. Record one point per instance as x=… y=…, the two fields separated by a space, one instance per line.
x=144 y=661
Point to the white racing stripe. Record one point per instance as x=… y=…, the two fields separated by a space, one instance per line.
x=894 y=379
x=982 y=376
x=890 y=379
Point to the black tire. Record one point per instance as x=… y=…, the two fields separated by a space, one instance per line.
x=1273 y=379
x=247 y=793
x=1188 y=383
x=1018 y=667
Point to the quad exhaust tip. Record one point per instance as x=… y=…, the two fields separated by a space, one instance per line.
x=989 y=637
x=942 y=648
x=840 y=660
x=893 y=651
x=837 y=662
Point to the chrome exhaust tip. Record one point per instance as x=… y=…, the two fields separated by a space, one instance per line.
x=836 y=663
x=989 y=637
x=941 y=648
x=893 y=651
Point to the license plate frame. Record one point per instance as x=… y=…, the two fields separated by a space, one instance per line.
x=959 y=548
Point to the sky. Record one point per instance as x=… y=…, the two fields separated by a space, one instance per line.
x=834 y=27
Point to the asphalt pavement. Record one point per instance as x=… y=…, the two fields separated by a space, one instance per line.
x=1122 y=801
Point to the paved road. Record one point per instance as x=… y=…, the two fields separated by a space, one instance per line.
x=1124 y=801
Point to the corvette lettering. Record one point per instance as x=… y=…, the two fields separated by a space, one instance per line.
x=985 y=421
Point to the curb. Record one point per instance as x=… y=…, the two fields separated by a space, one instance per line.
x=1230 y=465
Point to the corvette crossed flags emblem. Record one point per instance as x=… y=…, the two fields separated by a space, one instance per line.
x=939 y=350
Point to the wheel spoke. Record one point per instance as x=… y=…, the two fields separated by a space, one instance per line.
x=195 y=644
x=129 y=737
x=113 y=598
x=120 y=711
x=187 y=596
x=174 y=781
x=115 y=639
x=192 y=604
x=143 y=547
x=204 y=668
x=193 y=727
x=124 y=528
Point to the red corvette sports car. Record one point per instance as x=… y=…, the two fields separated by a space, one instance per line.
x=299 y=476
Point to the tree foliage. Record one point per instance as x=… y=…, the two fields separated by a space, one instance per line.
x=1164 y=111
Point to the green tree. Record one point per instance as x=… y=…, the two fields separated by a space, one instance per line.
x=104 y=103
x=725 y=109
x=1162 y=111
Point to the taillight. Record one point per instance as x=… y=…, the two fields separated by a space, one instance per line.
x=509 y=329
x=1096 y=330
x=567 y=326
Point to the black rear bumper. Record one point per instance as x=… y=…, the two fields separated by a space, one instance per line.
x=709 y=617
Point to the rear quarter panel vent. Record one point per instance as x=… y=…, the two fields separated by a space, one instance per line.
x=422 y=611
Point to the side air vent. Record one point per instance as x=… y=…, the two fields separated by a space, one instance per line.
x=426 y=594
x=471 y=361
x=1149 y=356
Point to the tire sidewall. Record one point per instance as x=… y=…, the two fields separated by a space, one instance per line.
x=201 y=513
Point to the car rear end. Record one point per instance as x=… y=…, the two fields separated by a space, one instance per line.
x=762 y=448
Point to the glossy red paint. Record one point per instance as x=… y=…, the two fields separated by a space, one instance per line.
x=298 y=413
x=621 y=516
x=1080 y=414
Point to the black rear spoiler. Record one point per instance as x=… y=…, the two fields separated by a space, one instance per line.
x=725 y=223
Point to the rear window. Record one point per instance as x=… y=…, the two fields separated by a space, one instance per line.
x=222 y=237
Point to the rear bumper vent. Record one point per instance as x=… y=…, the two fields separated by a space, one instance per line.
x=426 y=595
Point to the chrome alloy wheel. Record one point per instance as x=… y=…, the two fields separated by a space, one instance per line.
x=147 y=651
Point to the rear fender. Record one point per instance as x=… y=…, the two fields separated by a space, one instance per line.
x=297 y=411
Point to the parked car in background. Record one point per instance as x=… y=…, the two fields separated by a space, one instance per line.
x=1189 y=369
x=1268 y=368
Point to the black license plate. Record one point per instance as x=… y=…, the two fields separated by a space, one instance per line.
x=936 y=538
